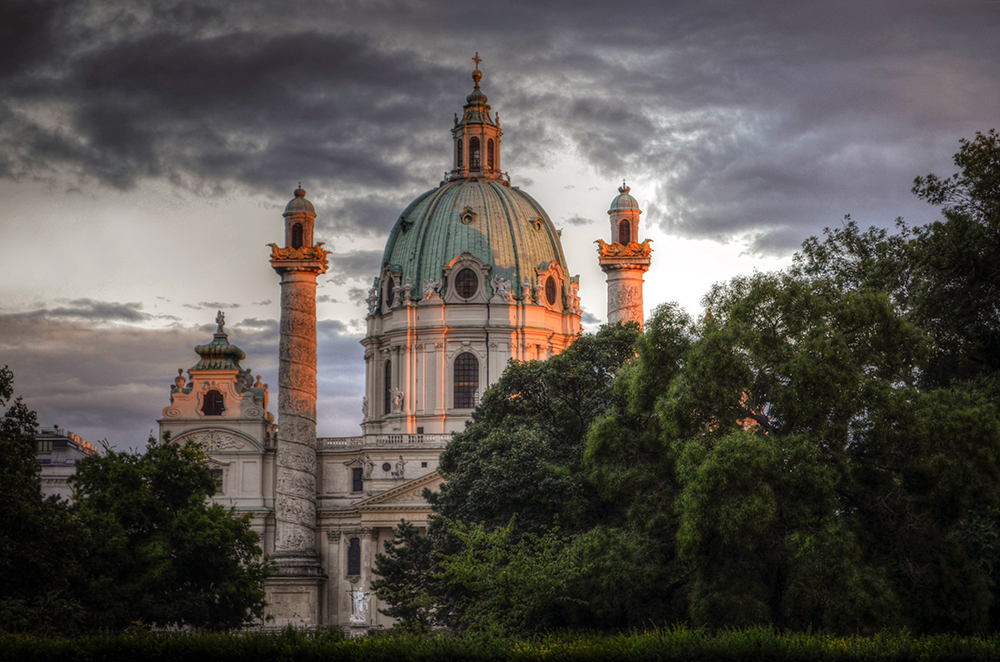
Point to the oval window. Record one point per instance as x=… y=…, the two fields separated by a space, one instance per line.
x=390 y=292
x=550 y=290
x=466 y=283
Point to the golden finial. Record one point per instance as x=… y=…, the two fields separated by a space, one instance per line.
x=477 y=60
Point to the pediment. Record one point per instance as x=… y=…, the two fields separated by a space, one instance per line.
x=218 y=440
x=409 y=494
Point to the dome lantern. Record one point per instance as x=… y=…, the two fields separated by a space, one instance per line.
x=476 y=137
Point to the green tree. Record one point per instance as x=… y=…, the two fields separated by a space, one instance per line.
x=406 y=581
x=39 y=541
x=158 y=553
x=523 y=452
x=957 y=265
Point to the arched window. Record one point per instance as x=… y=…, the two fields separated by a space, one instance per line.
x=387 y=380
x=390 y=292
x=297 y=235
x=354 y=557
x=466 y=380
x=489 y=154
x=474 y=163
x=213 y=404
x=459 y=152
x=624 y=232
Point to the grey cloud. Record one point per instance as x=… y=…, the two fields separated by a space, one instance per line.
x=265 y=302
x=357 y=295
x=578 y=220
x=589 y=318
x=217 y=305
x=98 y=311
x=354 y=265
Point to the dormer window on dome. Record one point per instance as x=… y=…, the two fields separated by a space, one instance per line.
x=477 y=132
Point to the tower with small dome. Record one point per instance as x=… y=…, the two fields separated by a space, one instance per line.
x=624 y=260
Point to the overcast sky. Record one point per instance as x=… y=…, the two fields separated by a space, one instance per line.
x=147 y=150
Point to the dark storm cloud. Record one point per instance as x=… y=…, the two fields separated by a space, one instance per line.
x=761 y=120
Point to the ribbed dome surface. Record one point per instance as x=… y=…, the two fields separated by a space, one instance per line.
x=624 y=201
x=510 y=231
x=299 y=204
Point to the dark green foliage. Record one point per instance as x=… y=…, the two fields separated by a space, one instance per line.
x=157 y=552
x=39 y=541
x=522 y=454
x=665 y=645
x=405 y=579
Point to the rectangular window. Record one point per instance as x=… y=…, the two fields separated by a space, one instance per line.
x=217 y=475
x=358 y=484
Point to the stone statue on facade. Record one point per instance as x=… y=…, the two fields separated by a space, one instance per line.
x=220 y=320
x=372 y=299
x=501 y=288
x=400 y=468
x=431 y=287
x=359 y=606
x=397 y=401
x=364 y=407
x=408 y=289
x=369 y=466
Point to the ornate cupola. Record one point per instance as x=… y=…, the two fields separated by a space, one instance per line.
x=476 y=136
x=299 y=218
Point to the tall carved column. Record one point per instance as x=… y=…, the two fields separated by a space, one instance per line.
x=625 y=260
x=293 y=590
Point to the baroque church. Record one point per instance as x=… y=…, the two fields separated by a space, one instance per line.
x=472 y=277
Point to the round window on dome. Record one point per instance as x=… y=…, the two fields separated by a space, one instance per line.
x=550 y=290
x=466 y=283
x=390 y=292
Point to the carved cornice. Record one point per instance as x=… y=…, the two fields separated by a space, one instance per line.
x=305 y=258
x=631 y=249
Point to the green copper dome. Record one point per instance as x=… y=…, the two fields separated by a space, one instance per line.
x=624 y=200
x=502 y=226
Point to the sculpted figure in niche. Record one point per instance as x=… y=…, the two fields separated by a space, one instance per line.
x=397 y=401
x=369 y=466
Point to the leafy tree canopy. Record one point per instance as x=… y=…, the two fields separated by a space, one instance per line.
x=158 y=552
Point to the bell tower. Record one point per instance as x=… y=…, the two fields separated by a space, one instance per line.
x=625 y=260
x=293 y=590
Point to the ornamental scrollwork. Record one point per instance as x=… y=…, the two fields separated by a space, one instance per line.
x=305 y=253
x=631 y=249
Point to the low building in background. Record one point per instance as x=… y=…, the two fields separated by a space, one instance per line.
x=58 y=452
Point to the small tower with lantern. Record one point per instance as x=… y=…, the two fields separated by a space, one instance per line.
x=624 y=260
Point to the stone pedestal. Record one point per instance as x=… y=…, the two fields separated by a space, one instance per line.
x=625 y=265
